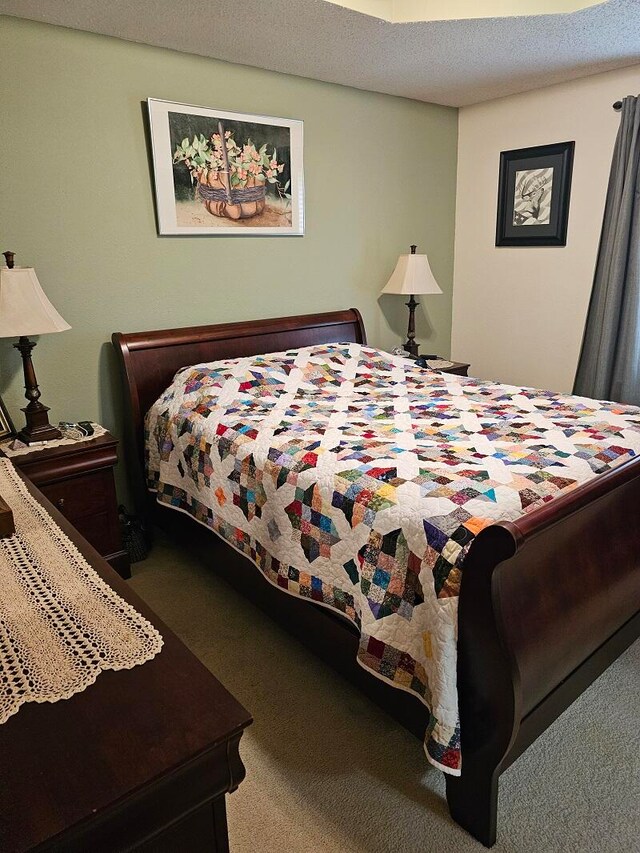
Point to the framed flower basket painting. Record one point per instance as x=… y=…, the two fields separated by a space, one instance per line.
x=533 y=195
x=226 y=173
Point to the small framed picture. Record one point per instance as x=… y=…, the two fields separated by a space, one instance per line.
x=224 y=173
x=7 y=429
x=533 y=195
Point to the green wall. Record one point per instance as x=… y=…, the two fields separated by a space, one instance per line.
x=77 y=204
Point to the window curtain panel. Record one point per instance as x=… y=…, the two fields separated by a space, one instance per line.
x=609 y=365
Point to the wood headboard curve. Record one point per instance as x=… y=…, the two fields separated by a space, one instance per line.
x=149 y=360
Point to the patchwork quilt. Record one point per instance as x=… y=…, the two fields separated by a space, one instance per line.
x=354 y=479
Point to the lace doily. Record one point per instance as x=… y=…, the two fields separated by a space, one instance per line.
x=61 y=625
x=57 y=442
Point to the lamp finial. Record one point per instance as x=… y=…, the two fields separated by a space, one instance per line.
x=413 y=248
x=9 y=256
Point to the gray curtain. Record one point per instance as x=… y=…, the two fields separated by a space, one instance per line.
x=609 y=365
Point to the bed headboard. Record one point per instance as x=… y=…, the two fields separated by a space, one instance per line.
x=149 y=360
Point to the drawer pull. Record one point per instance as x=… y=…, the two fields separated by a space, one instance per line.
x=60 y=503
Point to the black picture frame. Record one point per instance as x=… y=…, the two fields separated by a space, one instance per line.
x=534 y=190
x=7 y=429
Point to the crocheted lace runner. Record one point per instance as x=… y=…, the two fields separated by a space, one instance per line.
x=61 y=625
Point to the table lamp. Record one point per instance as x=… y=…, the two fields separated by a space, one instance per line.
x=25 y=310
x=412 y=275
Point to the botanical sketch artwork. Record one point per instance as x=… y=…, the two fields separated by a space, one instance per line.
x=532 y=197
x=534 y=188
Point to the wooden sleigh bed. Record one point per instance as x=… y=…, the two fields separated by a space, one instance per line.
x=530 y=638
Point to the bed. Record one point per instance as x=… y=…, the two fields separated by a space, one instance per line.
x=530 y=638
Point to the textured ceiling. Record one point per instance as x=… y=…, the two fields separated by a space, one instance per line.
x=447 y=62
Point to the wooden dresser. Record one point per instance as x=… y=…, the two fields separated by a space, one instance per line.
x=78 y=480
x=140 y=760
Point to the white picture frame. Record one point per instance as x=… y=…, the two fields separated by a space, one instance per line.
x=257 y=189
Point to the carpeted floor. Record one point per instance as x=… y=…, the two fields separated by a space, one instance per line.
x=328 y=771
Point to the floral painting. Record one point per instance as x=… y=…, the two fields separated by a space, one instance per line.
x=226 y=173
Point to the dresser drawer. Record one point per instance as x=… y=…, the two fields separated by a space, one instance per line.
x=79 y=496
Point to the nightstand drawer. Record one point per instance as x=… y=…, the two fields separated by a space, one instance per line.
x=78 y=480
x=79 y=496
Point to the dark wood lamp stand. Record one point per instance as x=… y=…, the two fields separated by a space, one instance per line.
x=38 y=427
x=410 y=344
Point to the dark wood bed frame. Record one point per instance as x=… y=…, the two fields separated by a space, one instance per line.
x=546 y=603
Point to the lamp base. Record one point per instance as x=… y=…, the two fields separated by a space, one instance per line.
x=410 y=344
x=412 y=348
x=38 y=427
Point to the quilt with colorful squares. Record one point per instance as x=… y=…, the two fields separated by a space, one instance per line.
x=354 y=479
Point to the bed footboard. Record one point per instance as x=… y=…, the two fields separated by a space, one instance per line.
x=546 y=605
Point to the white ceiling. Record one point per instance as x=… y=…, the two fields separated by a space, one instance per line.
x=447 y=62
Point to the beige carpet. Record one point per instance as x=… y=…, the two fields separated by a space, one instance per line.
x=328 y=771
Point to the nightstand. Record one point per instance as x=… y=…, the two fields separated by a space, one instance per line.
x=460 y=368
x=78 y=480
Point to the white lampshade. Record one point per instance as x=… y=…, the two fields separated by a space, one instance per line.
x=24 y=308
x=412 y=275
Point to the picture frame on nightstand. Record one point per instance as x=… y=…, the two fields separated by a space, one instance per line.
x=7 y=429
